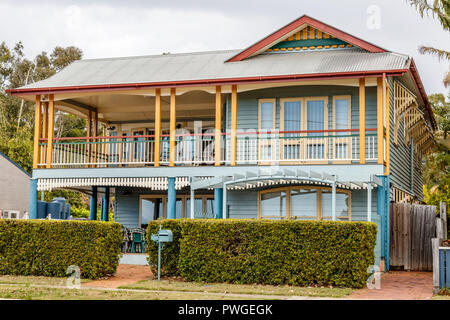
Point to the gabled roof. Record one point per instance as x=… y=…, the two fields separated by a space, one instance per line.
x=209 y=68
x=359 y=59
x=299 y=24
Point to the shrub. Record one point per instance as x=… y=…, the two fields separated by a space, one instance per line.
x=47 y=248
x=271 y=252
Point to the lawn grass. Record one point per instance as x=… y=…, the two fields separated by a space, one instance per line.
x=174 y=285
x=28 y=280
x=48 y=288
x=30 y=292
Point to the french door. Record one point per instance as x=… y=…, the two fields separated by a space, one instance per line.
x=302 y=122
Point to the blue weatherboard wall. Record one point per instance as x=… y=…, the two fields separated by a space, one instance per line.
x=248 y=104
x=126 y=208
x=401 y=157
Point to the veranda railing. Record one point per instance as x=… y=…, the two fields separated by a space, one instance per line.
x=252 y=147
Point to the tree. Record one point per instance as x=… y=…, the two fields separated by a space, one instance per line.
x=17 y=115
x=441 y=10
x=441 y=110
x=436 y=171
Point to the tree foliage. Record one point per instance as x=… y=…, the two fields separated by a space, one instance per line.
x=436 y=171
x=439 y=9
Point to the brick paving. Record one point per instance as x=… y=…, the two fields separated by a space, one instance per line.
x=399 y=285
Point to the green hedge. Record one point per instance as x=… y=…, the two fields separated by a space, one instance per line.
x=47 y=248
x=269 y=252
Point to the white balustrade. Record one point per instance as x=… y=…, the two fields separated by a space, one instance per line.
x=198 y=149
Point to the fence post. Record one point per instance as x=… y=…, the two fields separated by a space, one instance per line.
x=439 y=229
x=443 y=215
x=435 y=251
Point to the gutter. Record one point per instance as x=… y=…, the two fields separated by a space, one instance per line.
x=193 y=83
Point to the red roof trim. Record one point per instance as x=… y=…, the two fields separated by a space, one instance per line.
x=187 y=83
x=297 y=23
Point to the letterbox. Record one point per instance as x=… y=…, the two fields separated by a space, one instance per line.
x=162 y=236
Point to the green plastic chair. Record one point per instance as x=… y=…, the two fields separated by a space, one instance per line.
x=137 y=241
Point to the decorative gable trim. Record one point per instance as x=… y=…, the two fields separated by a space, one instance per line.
x=309 y=38
x=297 y=25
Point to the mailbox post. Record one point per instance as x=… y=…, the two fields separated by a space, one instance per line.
x=163 y=236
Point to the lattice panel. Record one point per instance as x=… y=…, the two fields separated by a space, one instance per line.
x=415 y=126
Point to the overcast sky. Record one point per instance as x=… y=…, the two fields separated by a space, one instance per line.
x=112 y=28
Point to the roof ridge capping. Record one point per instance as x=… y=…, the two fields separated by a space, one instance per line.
x=278 y=35
x=159 y=55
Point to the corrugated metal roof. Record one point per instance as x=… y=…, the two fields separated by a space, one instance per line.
x=211 y=65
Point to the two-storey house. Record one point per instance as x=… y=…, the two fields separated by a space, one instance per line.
x=308 y=123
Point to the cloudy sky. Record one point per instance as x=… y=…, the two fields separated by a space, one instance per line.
x=112 y=28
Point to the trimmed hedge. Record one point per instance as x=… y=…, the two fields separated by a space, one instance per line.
x=47 y=248
x=269 y=252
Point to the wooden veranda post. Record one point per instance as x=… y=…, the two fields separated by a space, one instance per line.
x=217 y=136
x=233 y=124
x=51 y=130
x=37 y=132
x=380 y=126
x=95 y=134
x=173 y=122
x=88 y=135
x=388 y=132
x=362 y=121
x=157 y=126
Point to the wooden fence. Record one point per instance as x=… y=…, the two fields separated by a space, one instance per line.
x=411 y=229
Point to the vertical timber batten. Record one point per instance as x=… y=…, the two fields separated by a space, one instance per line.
x=380 y=128
x=51 y=130
x=157 y=126
x=173 y=120
x=217 y=141
x=233 y=124
x=362 y=120
x=37 y=132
